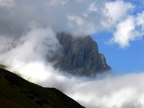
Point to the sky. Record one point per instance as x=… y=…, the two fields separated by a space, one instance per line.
x=116 y=25
x=122 y=60
x=28 y=38
x=126 y=57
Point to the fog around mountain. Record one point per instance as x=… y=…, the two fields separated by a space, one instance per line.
x=26 y=57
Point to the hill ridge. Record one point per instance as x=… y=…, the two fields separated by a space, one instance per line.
x=16 y=92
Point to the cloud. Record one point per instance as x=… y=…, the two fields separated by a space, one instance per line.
x=129 y=29
x=118 y=9
x=126 y=25
x=140 y=21
x=56 y=2
x=77 y=16
x=125 y=32
x=132 y=104
x=7 y=3
x=64 y=15
x=33 y=48
x=27 y=57
x=28 y=39
x=112 y=92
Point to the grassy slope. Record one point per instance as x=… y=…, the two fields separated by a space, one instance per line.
x=16 y=92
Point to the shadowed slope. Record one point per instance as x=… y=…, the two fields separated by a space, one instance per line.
x=16 y=92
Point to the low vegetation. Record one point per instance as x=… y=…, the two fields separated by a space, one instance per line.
x=16 y=92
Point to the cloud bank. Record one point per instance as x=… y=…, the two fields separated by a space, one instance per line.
x=27 y=58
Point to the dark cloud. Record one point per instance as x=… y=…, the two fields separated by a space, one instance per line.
x=132 y=104
x=64 y=15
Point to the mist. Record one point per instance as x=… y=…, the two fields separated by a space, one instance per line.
x=28 y=57
x=28 y=39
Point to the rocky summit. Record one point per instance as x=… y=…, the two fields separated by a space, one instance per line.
x=79 y=55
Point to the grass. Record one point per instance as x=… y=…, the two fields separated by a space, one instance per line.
x=20 y=93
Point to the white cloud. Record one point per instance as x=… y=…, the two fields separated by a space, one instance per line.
x=125 y=32
x=28 y=54
x=77 y=20
x=129 y=29
x=126 y=27
x=92 y=8
x=118 y=9
x=140 y=21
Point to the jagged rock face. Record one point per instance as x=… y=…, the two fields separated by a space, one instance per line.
x=79 y=56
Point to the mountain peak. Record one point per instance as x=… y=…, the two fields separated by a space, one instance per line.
x=79 y=56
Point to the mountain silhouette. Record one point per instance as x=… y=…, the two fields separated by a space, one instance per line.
x=15 y=92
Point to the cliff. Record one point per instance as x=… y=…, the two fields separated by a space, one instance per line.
x=79 y=56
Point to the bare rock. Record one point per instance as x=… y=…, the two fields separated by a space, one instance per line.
x=79 y=56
